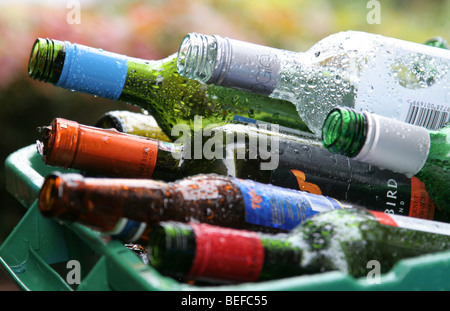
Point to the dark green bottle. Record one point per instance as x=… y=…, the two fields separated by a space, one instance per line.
x=154 y=85
x=346 y=240
x=394 y=145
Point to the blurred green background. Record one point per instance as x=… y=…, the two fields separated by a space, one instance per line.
x=153 y=29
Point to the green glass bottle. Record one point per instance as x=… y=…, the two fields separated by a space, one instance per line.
x=340 y=240
x=154 y=85
x=393 y=145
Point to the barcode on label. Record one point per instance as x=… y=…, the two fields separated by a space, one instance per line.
x=427 y=115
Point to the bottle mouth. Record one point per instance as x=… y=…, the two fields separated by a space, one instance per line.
x=46 y=60
x=172 y=248
x=48 y=195
x=344 y=132
x=197 y=57
x=56 y=200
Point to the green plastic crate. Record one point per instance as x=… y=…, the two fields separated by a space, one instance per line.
x=37 y=250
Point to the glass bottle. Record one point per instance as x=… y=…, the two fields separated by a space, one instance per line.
x=351 y=69
x=135 y=123
x=153 y=85
x=437 y=42
x=68 y=144
x=135 y=205
x=340 y=240
x=288 y=162
x=394 y=145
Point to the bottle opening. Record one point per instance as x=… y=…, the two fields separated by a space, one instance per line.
x=48 y=195
x=32 y=63
x=344 y=132
x=197 y=57
x=46 y=60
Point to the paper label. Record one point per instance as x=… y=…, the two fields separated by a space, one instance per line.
x=278 y=207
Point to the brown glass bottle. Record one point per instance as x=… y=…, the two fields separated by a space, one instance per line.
x=102 y=203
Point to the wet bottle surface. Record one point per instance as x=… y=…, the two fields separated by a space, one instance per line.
x=349 y=69
x=341 y=240
x=106 y=203
x=393 y=145
x=153 y=85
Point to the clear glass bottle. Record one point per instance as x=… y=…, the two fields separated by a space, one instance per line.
x=394 y=145
x=395 y=78
x=339 y=240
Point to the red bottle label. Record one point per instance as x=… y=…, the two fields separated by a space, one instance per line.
x=226 y=254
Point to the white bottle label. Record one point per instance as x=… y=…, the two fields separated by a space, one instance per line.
x=409 y=82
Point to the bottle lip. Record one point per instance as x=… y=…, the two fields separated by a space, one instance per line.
x=46 y=60
x=52 y=197
x=49 y=193
x=344 y=131
x=197 y=57
x=59 y=142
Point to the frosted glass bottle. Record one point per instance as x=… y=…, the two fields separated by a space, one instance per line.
x=368 y=72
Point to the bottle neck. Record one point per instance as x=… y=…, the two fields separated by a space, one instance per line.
x=207 y=252
x=100 y=151
x=377 y=140
x=102 y=202
x=230 y=63
x=79 y=68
